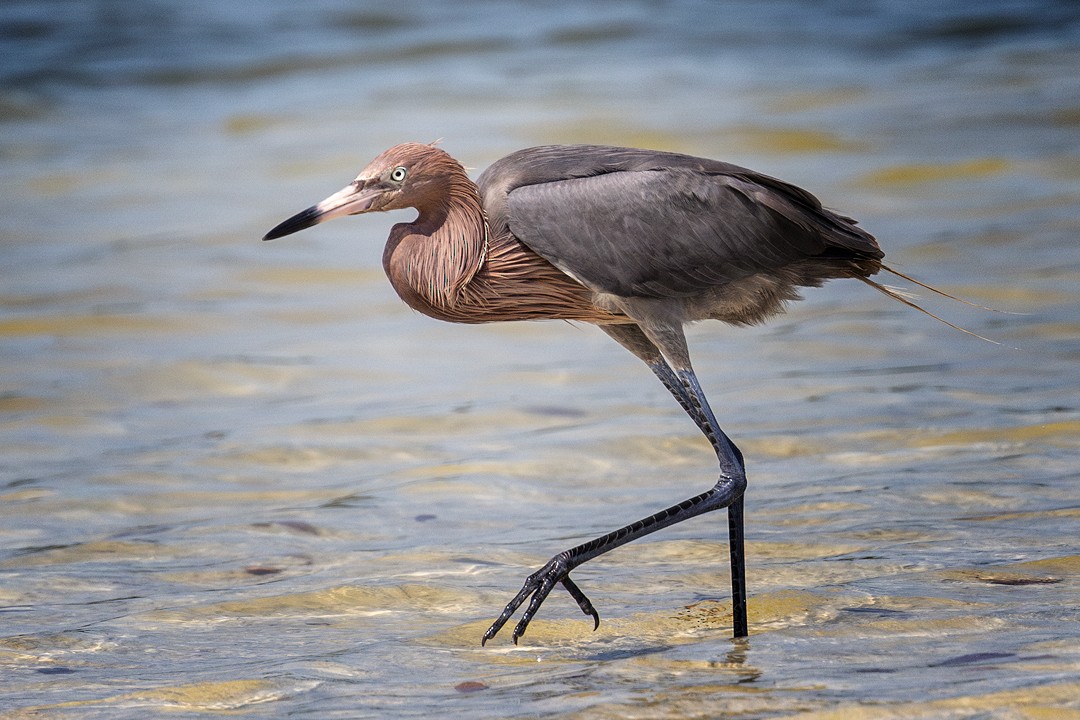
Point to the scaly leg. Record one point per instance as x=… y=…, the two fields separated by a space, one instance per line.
x=727 y=492
x=685 y=388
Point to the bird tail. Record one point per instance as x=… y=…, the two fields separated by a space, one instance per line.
x=905 y=298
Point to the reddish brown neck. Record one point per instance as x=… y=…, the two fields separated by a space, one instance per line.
x=431 y=259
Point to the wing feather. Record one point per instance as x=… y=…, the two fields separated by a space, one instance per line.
x=661 y=233
x=641 y=223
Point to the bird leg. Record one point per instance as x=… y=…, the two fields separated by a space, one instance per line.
x=727 y=492
x=539 y=585
x=557 y=570
x=740 y=627
x=692 y=399
x=686 y=390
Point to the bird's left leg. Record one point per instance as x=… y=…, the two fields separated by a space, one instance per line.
x=677 y=375
x=726 y=493
x=557 y=570
x=727 y=452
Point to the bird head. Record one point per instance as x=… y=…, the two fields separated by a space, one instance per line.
x=404 y=176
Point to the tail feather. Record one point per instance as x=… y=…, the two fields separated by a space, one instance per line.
x=903 y=298
x=935 y=290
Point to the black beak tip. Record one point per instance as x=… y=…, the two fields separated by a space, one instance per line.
x=296 y=223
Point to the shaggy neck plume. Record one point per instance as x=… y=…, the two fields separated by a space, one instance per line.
x=430 y=260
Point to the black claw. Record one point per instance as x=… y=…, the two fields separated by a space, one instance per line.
x=536 y=588
x=582 y=601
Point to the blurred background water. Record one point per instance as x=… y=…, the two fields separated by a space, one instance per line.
x=243 y=477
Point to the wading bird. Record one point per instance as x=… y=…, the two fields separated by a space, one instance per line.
x=637 y=242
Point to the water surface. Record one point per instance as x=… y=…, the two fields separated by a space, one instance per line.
x=240 y=477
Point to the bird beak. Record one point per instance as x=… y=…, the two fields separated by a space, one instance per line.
x=353 y=199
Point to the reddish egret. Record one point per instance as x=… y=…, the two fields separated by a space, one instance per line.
x=638 y=242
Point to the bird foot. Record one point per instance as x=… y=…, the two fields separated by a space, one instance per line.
x=539 y=585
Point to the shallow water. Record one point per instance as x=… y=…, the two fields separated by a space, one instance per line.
x=239 y=477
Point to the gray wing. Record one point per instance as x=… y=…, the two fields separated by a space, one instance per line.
x=675 y=231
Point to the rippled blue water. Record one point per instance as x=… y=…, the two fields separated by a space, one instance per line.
x=239 y=476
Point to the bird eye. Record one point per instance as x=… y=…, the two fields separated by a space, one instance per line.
x=398 y=174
